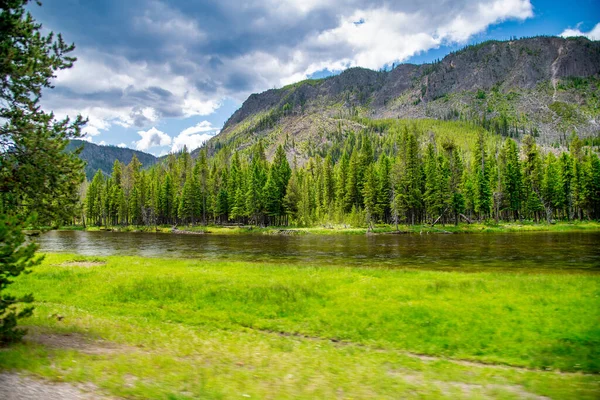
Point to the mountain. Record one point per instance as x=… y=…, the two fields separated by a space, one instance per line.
x=102 y=158
x=545 y=86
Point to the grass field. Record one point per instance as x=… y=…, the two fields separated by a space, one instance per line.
x=179 y=329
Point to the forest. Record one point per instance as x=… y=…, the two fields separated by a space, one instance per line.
x=393 y=172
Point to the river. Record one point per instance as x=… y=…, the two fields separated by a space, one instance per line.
x=519 y=251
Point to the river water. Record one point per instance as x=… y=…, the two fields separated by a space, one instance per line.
x=518 y=251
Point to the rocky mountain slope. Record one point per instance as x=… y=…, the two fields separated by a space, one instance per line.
x=103 y=157
x=545 y=86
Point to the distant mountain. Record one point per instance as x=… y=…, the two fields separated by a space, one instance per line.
x=545 y=86
x=103 y=157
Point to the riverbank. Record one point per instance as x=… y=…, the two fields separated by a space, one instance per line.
x=490 y=227
x=182 y=328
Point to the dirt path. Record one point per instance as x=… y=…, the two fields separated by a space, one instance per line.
x=17 y=387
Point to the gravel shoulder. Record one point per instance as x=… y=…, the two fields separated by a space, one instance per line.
x=17 y=387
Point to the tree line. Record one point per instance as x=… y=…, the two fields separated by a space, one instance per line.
x=402 y=176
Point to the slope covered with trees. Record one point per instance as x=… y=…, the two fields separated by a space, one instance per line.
x=97 y=157
x=393 y=171
x=547 y=87
x=500 y=130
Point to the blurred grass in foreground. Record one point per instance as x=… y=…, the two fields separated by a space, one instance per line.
x=190 y=329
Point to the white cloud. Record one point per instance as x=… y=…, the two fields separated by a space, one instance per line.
x=189 y=68
x=193 y=106
x=194 y=136
x=94 y=126
x=112 y=90
x=102 y=143
x=593 y=34
x=463 y=26
x=152 y=138
x=203 y=126
x=386 y=35
x=122 y=145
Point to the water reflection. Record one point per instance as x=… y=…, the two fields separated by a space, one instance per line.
x=480 y=251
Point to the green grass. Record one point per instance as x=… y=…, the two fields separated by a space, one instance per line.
x=192 y=329
x=337 y=229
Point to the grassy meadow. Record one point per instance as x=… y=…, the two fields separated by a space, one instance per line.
x=182 y=329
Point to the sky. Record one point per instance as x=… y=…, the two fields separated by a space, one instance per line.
x=155 y=75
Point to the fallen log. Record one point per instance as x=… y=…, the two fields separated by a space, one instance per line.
x=465 y=218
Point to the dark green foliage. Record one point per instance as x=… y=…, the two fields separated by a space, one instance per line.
x=16 y=258
x=103 y=157
x=392 y=172
x=37 y=176
x=511 y=177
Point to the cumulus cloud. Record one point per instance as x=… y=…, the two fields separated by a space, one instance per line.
x=168 y=59
x=194 y=136
x=152 y=138
x=122 y=145
x=593 y=34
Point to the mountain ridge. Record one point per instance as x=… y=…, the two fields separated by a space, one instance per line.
x=547 y=86
x=101 y=157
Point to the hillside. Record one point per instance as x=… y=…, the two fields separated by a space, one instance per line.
x=545 y=86
x=103 y=157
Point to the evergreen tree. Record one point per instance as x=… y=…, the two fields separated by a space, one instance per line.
x=352 y=198
x=512 y=178
x=341 y=182
x=255 y=185
x=431 y=196
x=37 y=176
x=483 y=199
x=292 y=197
x=167 y=200
x=532 y=177
x=189 y=201
x=566 y=178
x=384 y=191
x=551 y=185
x=370 y=194
x=203 y=176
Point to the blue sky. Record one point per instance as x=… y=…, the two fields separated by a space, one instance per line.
x=156 y=75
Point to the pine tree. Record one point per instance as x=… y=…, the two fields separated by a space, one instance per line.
x=328 y=183
x=203 y=176
x=370 y=194
x=532 y=177
x=412 y=191
x=591 y=197
x=512 y=178
x=254 y=193
x=352 y=198
x=551 y=185
x=384 y=191
x=431 y=196
x=566 y=178
x=341 y=182
x=188 y=202
x=483 y=199
x=166 y=200
x=238 y=209
x=292 y=197
x=456 y=174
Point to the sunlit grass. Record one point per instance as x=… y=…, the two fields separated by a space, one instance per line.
x=224 y=329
